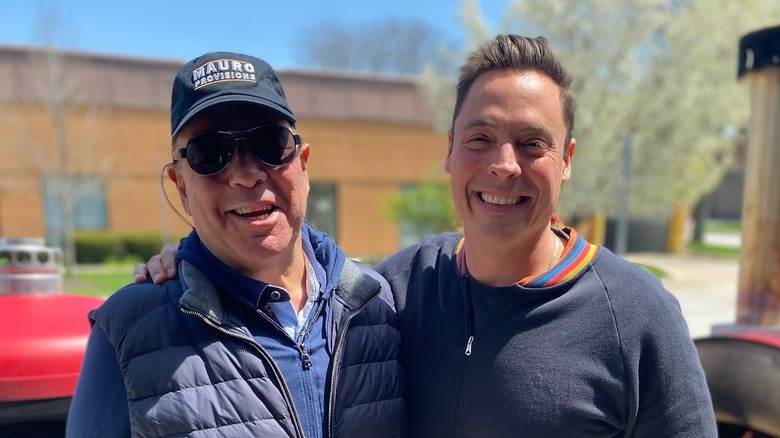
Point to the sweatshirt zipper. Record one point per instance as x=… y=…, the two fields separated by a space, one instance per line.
x=465 y=363
x=263 y=353
x=336 y=358
x=469 y=316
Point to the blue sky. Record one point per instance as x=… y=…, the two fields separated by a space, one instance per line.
x=180 y=30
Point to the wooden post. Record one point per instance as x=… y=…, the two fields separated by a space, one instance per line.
x=598 y=228
x=758 y=300
x=676 y=240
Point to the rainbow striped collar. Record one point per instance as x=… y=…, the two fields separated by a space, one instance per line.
x=576 y=256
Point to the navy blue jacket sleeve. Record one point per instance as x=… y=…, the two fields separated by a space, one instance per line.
x=99 y=407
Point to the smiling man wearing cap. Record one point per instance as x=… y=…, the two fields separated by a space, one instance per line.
x=514 y=328
x=269 y=330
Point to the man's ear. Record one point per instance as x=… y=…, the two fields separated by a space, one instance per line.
x=305 y=151
x=567 y=156
x=447 y=164
x=175 y=176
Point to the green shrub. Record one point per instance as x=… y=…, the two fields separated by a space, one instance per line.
x=95 y=246
x=143 y=245
x=102 y=246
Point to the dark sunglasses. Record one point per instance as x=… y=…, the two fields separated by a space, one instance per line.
x=210 y=153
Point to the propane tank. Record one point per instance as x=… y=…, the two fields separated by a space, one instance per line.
x=43 y=336
x=28 y=266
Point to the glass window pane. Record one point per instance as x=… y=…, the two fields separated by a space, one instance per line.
x=321 y=210
x=87 y=194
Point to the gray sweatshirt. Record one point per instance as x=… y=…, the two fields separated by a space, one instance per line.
x=595 y=347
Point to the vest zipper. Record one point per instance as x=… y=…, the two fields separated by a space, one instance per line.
x=336 y=358
x=263 y=353
x=313 y=315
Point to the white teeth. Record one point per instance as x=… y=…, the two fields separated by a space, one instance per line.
x=265 y=208
x=500 y=200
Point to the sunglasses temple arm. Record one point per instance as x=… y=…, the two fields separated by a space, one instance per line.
x=168 y=199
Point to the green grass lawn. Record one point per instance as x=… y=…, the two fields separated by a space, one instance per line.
x=99 y=280
x=103 y=280
x=714 y=250
x=723 y=225
x=653 y=270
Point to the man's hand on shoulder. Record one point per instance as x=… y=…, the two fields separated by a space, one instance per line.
x=160 y=267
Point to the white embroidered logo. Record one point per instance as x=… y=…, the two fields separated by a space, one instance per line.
x=223 y=70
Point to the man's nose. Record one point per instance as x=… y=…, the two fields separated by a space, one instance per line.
x=504 y=161
x=246 y=169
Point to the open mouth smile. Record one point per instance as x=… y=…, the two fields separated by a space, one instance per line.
x=501 y=200
x=262 y=213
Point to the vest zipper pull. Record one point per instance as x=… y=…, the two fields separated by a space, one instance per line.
x=468 y=345
x=305 y=358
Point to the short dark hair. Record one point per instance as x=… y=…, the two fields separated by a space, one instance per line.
x=517 y=53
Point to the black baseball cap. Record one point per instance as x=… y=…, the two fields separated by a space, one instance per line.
x=221 y=77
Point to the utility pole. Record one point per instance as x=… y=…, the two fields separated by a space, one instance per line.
x=621 y=230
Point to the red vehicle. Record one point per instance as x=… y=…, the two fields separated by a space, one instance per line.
x=742 y=360
x=43 y=335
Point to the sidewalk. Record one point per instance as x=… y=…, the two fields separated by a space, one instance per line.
x=706 y=286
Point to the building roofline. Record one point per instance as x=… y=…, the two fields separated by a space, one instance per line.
x=124 y=81
x=333 y=73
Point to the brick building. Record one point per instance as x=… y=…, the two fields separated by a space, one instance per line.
x=371 y=136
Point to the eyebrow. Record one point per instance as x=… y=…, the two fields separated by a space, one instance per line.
x=542 y=130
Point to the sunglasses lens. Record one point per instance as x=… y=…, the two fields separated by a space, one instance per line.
x=209 y=153
x=273 y=145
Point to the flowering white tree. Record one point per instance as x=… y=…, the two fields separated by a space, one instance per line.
x=664 y=71
x=690 y=108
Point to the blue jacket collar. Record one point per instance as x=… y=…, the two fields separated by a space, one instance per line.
x=326 y=258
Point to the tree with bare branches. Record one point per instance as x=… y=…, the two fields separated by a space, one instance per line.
x=388 y=46
x=58 y=151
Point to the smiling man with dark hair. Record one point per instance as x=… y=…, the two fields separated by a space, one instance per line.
x=516 y=328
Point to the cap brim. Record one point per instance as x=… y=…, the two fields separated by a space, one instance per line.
x=266 y=104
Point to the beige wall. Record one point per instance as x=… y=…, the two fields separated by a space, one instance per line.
x=370 y=134
x=21 y=211
x=368 y=162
